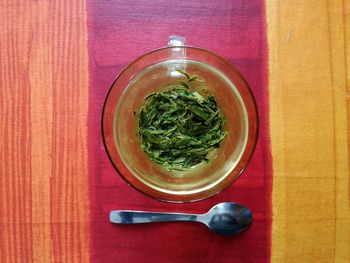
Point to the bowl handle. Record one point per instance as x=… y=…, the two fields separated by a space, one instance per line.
x=175 y=41
x=176 y=51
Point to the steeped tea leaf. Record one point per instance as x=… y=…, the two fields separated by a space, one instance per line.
x=179 y=127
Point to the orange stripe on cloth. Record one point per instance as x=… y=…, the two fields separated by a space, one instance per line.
x=309 y=130
x=43 y=135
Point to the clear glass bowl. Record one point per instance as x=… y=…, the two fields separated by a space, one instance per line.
x=153 y=72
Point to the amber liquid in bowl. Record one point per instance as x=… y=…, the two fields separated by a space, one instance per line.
x=153 y=72
x=204 y=176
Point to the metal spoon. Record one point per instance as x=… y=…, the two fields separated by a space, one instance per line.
x=224 y=218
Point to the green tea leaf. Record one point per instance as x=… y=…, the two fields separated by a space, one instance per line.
x=179 y=128
x=184 y=84
x=184 y=73
x=192 y=78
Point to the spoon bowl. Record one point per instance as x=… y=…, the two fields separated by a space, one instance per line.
x=228 y=218
x=225 y=218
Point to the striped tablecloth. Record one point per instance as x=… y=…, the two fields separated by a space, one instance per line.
x=57 y=62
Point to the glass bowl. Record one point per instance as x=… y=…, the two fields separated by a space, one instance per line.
x=154 y=71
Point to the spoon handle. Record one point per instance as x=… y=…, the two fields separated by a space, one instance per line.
x=136 y=217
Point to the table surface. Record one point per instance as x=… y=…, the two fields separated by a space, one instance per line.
x=57 y=62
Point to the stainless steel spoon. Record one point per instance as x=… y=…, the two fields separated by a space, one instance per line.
x=224 y=218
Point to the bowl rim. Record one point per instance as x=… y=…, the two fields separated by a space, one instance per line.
x=217 y=191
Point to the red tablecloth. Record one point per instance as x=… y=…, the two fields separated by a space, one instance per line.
x=120 y=31
x=57 y=186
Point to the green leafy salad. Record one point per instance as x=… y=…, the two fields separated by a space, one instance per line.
x=178 y=127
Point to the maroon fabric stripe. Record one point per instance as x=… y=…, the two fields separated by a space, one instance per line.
x=120 y=31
